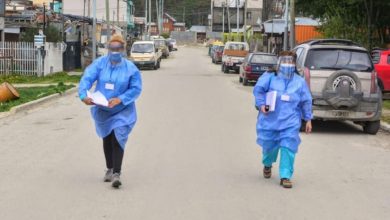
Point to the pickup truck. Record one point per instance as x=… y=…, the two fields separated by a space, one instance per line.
x=381 y=60
x=233 y=56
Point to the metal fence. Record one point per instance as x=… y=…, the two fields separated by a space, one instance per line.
x=19 y=58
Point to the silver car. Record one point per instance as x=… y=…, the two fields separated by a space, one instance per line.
x=342 y=80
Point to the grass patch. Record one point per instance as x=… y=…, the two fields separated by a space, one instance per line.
x=386 y=104
x=54 y=78
x=33 y=93
x=78 y=70
x=386 y=118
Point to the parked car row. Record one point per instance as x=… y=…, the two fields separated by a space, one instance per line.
x=235 y=56
x=148 y=54
x=342 y=78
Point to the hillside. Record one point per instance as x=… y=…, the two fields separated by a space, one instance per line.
x=194 y=12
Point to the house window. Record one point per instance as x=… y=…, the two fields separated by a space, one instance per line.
x=249 y=15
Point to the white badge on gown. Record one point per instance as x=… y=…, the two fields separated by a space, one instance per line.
x=109 y=86
x=285 y=98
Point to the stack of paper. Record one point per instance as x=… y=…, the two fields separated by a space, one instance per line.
x=98 y=98
x=271 y=100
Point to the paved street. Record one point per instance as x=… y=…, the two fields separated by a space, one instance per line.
x=192 y=155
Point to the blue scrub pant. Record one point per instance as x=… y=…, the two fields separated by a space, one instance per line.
x=287 y=158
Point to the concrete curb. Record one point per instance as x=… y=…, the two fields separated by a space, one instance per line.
x=385 y=126
x=35 y=103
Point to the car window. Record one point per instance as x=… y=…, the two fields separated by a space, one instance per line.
x=298 y=51
x=300 y=58
x=247 y=58
x=236 y=47
x=268 y=59
x=376 y=55
x=338 y=59
x=159 y=43
x=142 y=48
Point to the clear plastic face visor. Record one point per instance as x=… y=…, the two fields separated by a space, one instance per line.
x=286 y=60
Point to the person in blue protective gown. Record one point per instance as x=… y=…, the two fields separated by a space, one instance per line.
x=119 y=80
x=278 y=130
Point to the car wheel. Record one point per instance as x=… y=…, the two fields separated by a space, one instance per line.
x=371 y=127
x=212 y=60
x=237 y=71
x=158 y=64
x=245 y=81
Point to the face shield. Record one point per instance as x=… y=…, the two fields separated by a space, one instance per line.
x=286 y=67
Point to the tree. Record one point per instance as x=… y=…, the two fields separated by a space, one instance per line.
x=363 y=21
x=52 y=34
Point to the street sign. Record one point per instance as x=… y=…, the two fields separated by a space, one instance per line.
x=39 y=40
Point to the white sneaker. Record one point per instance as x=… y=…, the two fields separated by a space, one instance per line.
x=108 y=176
x=116 y=180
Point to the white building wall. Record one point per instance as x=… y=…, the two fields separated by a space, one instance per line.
x=53 y=58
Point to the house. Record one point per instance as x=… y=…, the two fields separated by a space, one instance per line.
x=223 y=12
x=305 y=29
x=200 y=32
x=179 y=27
x=153 y=28
x=168 y=23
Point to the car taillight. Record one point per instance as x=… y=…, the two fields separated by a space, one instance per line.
x=307 y=76
x=248 y=68
x=373 y=82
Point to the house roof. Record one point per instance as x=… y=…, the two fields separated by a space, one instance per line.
x=179 y=24
x=278 y=25
x=170 y=17
x=198 y=29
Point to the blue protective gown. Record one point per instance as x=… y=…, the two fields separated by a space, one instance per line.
x=127 y=82
x=281 y=127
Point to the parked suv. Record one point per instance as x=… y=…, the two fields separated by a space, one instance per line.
x=342 y=81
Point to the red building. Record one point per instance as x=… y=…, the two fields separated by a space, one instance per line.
x=168 y=23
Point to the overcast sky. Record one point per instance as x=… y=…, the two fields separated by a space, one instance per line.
x=76 y=7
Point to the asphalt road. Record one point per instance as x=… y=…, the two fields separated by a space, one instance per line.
x=192 y=155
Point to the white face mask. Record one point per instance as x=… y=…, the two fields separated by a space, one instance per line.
x=287 y=70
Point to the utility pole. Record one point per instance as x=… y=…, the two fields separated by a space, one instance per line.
x=44 y=18
x=89 y=8
x=108 y=28
x=158 y=16
x=146 y=18
x=212 y=15
x=223 y=17
x=84 y=22
x=113 y=21
x=117 y=12
x=228 y=14
x=285 y=38
x=150 y=16
x=245 y=12
x=94 y=31
x=292 y=27
x=238 y=15
x=162 y=14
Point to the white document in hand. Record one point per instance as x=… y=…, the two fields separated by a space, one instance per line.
x=98 y=98
x=271 y=100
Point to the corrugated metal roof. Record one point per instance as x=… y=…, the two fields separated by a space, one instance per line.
x=278 y=25
x=199 y=29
